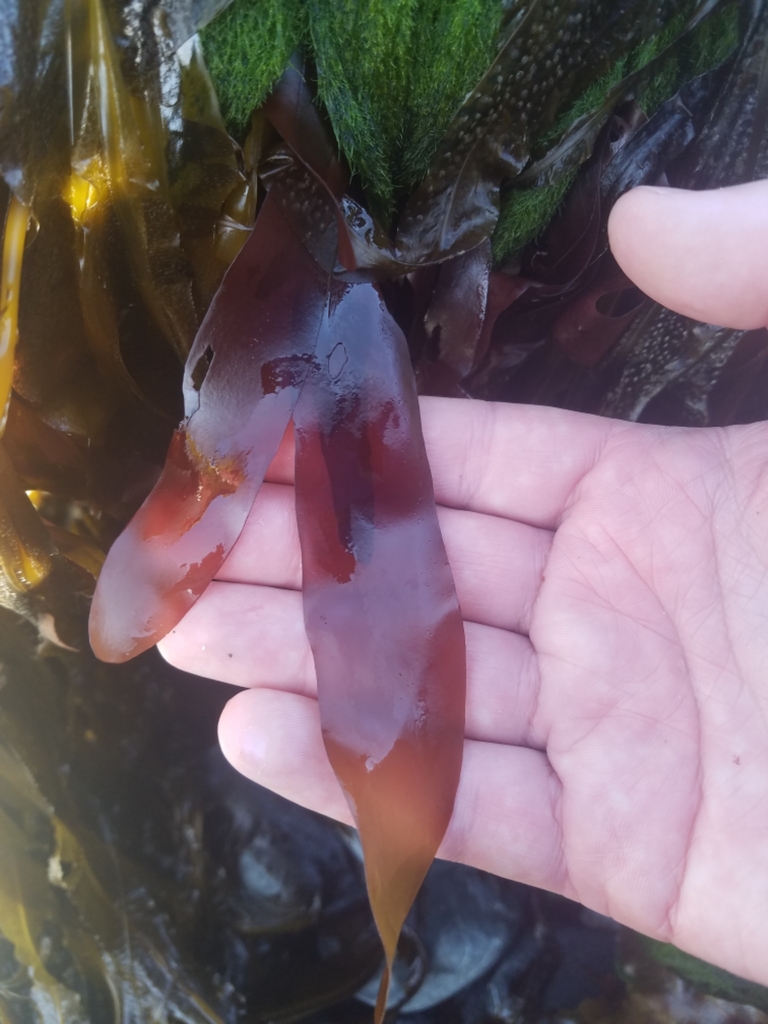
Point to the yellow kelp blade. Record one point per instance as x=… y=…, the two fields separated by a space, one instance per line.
x=26 y=550
x=14 y=237
x=121 y=141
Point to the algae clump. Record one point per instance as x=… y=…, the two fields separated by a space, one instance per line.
x=392 y=74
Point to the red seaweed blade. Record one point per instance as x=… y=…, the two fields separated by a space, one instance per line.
x=242 y=380
x=379 y=601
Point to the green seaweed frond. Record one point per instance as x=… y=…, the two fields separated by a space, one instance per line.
x=391 y=73
x=590 y=100
x=710 y=43
x=247 y=47
x=525 y=212
x=714 y=41
x=362 y=49
x=454 y=43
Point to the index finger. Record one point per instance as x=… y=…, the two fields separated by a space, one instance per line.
x=521 y=462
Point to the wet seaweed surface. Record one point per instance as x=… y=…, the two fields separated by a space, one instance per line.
x=234 y=286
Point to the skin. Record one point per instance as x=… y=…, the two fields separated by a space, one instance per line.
x=614 y=583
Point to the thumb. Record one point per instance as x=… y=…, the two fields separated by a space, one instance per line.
x=703 y=254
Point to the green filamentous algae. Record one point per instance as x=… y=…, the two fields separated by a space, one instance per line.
x=393 y=73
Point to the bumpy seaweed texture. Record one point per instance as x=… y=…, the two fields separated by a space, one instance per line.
x=390 y=109
x=594 y=343
x=525 y=212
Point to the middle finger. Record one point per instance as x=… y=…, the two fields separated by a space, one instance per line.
x=254 y=637
x=497 y=563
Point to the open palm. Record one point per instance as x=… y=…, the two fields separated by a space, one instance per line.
x=614 y=585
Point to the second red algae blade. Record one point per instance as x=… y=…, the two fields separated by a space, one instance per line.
x=379 y=601
x=242 y=380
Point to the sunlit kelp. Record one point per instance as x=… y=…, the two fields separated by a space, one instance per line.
x=14 y=239
x=115 y=155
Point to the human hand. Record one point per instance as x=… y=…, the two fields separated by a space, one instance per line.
x=614 y=584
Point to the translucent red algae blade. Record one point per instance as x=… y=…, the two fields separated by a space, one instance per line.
x=379 y=601
x=242 y=380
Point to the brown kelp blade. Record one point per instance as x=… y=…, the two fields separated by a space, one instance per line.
x=379 y=600
x=242 y=380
